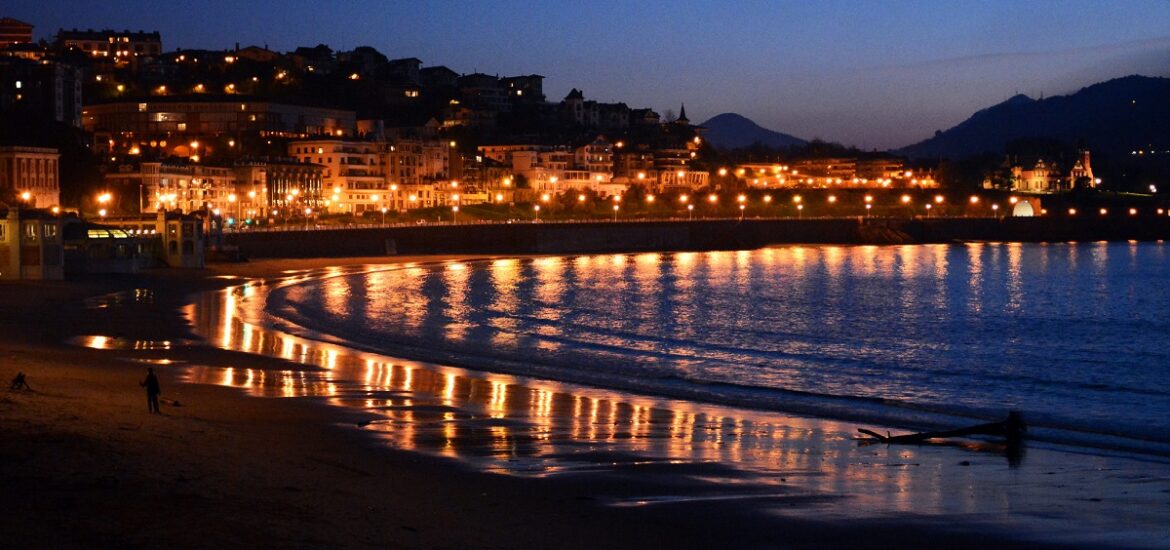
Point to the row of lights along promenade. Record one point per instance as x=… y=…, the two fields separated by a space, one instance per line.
x=584 y=207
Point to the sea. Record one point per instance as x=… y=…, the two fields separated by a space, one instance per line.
x=1075 y=336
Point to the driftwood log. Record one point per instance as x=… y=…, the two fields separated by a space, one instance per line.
x=1011 y=429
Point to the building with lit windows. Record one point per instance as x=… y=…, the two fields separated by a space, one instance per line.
x=278 y=188
x=173 y=186
x=30 y=245
x=13 y=31
x=354 y=179
x=30 y=176
x=46 y=87
x=111 y=44
x=1042 y=176
x=127 y=125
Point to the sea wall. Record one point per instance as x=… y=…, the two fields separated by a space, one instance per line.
x=585 y=237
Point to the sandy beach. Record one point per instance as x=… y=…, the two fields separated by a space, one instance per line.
x=86 y=466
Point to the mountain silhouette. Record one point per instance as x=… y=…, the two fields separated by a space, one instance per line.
x=1113 y=117
x=732 y=131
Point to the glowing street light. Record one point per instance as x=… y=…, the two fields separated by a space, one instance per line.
x=384 y=215
x=616 y=207
x=537 y=210
x=741 y=209
x=800 y=211
x=690 y=212
x=455 y=214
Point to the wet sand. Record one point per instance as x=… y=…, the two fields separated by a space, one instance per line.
x=414 y=455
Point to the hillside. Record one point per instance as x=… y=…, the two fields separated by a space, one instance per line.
x=1113 y=117
x=732 y=131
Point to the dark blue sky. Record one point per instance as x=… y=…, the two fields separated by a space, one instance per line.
x=873 y=74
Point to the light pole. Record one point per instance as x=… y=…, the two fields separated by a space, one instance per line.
x=383 y=216
x=690 y=212
x=537 y=210
x=455 y=214
x=233 y=199
x=616 y=207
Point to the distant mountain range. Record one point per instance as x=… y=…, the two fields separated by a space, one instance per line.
x=732 y=131
x=1113 y=117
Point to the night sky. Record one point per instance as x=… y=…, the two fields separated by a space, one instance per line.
x=871 y=74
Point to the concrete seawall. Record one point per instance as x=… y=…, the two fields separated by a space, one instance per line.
x=585 y=237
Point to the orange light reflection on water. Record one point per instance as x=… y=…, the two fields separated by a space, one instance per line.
x=520 y=425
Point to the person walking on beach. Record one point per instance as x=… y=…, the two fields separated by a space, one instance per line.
x=19 y=383
x=152 y=390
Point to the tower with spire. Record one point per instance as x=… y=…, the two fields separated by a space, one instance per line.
x=682 y=116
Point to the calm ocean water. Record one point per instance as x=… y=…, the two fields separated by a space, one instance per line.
x=1074 y=335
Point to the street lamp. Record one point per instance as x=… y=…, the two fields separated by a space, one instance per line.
x=384 y=216
x=233 y=199
x=537 y=210
x=800 y=211
x=741 y=208
x=455 y=214
x=690 y=212
x=616 y=207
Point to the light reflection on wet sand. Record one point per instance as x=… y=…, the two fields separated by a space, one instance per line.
x=524 y=426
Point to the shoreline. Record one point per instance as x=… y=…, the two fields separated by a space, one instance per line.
x=280 y=453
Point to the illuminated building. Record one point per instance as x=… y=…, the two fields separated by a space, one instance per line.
x=121 y=46
x=1043 y=176
x=354 y=172
x=30 y=176
x=176 y=186
x=124 y=125
x=30 y=245
x=13 y=31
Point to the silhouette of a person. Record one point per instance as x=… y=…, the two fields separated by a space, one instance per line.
x=152 y=390
x=18 y=383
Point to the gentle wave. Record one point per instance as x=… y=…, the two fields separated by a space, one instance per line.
x=859 y=366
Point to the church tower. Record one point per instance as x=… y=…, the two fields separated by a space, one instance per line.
x=682 y=116
x=1082 y=168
